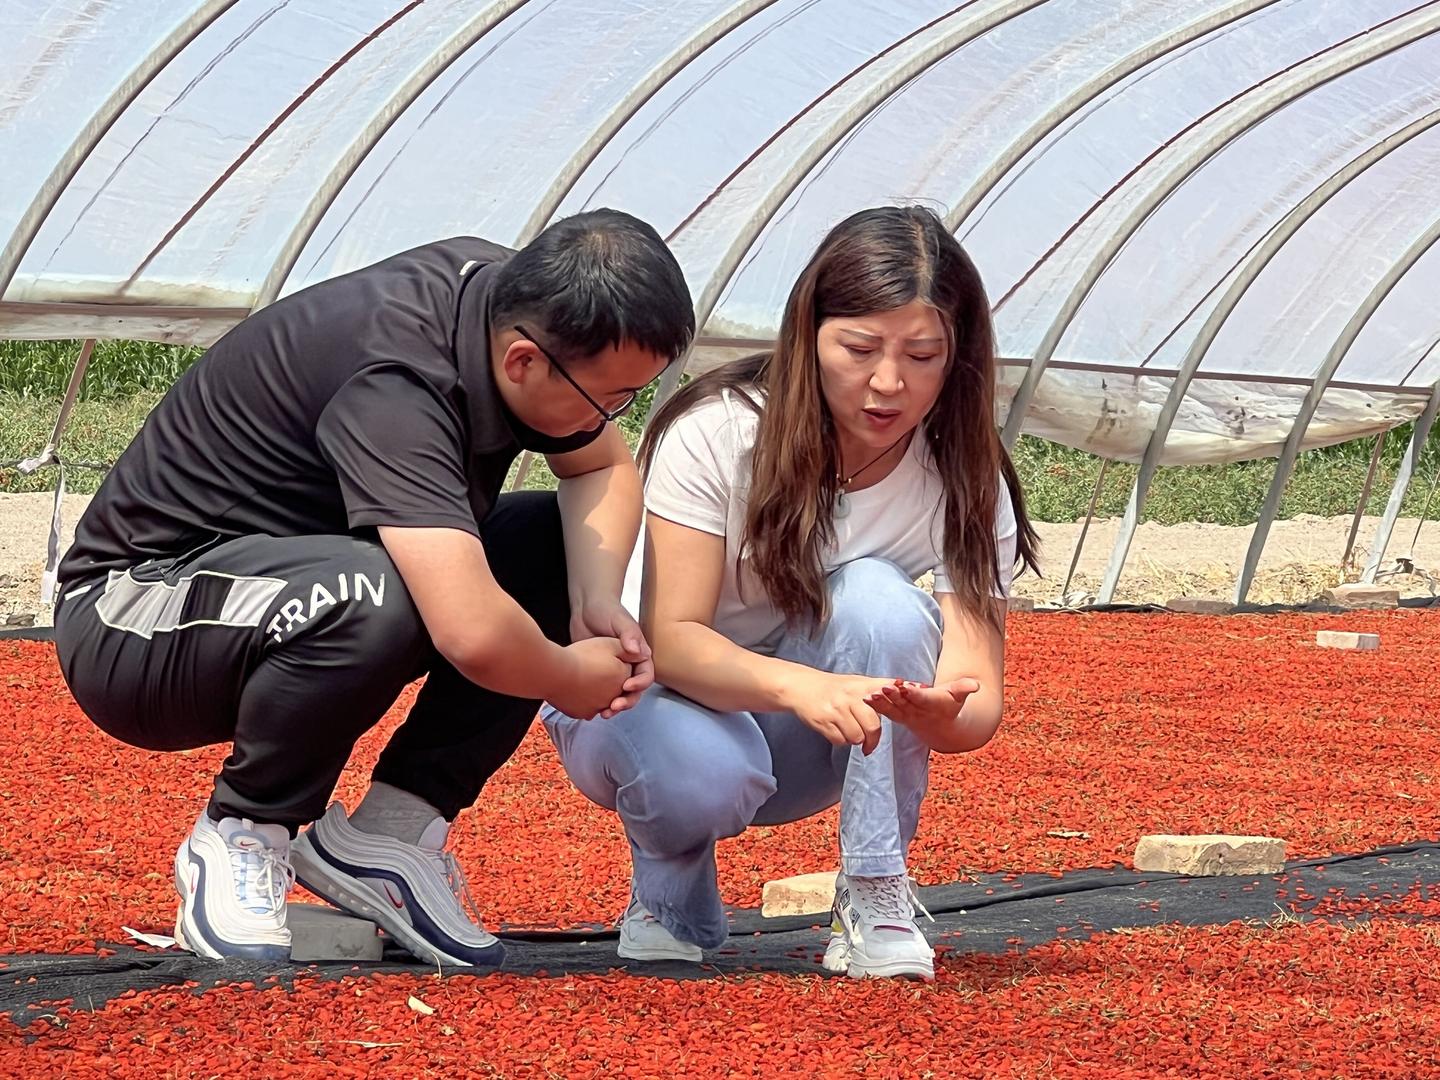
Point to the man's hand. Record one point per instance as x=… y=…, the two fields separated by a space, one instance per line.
x=609 y=619
x=449 y=579
x=591 y=673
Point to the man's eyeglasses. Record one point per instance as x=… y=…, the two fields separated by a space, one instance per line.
x=608 y=414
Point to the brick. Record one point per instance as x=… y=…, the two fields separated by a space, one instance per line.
x=1021 y=603
x=320 y=933
x=1343 y=639
x=1195 y=605
x=1210 y=855
x=805 y=894
x=1359 y=597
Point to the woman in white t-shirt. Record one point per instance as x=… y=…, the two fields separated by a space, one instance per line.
x=792 y=500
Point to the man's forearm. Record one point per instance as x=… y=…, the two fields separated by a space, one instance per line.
x=512 y=656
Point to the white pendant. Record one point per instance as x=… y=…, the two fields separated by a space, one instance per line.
x=842 y=506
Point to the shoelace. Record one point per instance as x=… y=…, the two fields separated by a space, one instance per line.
x=263 y=878
x=915 y=898
x=886 y=898
x=455 y=878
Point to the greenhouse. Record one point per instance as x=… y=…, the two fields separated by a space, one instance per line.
x=324 y=754
x=1206 y=229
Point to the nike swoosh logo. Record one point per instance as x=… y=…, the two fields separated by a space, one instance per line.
x=400 y=904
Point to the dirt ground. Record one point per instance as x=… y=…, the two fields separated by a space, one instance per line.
x=1301 y=560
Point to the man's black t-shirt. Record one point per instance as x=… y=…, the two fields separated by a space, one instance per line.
x=365 y=400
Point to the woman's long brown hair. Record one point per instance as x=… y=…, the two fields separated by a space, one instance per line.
x=875 y=260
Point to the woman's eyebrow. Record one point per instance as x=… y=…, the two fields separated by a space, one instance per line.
x=875 y=339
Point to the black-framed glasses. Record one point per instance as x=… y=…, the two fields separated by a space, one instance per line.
x=609 y=414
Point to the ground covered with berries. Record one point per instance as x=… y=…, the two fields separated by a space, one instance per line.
x=1117 y=726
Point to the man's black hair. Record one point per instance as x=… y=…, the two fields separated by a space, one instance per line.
x=594 y=280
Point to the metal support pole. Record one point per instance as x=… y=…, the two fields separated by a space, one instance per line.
x=522 y=471
x=1408 y=464
x=645 y=89
x=873 y=85
x=1230 y=121
x=1085 y=528
x=1088 y=93
x=1424 y=513
x=661 y=75
x=1364 y=498
x=436 y=64
x=1311 y=402
x=50 y=455
x=1240 y=284
x=90 y=135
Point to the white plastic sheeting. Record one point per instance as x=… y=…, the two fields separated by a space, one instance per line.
x=1110 y=164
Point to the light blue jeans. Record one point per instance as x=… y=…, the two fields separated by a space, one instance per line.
x=682 y=776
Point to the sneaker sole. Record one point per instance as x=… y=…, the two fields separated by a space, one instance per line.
x=890 y=969
x=837 y=955
x=340 y=890
x=840 y=958
x=628 y=950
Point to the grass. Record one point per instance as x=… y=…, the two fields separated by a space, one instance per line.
x=126 y=379
x=98 y=432
x=1327 y=481
x=118 y=369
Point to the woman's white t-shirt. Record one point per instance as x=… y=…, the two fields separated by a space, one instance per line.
x=700 y=477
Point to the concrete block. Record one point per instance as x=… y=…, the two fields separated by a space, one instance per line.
x=1359 y=597
x=1343 y=639
x=1021 y=603
x=805 y=894
x=1195 y=605
x=1209 y=855
x=319 y=933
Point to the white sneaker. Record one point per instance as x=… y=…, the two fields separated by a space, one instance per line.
x=416 y=892
x=232 y=877
x=642 y=937
x=873 y=932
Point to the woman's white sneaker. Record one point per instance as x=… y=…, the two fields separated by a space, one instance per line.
x=233 y=877
x=415 y=892
x=873 y=932
x=642 y=937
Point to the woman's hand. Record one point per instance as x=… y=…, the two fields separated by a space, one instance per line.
x=929 y=711
x=836 y=706
x=607 y=618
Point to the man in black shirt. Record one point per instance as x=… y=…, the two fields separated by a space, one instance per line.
x=311 y=519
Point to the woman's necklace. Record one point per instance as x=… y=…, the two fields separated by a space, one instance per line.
x=842 y=508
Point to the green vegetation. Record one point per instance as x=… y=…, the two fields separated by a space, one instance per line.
x=118 y=369
x=126 y=379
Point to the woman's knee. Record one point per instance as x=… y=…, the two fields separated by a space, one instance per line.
x=676 y=772
x=590 y=753
x=873 y=600
x=668 y=814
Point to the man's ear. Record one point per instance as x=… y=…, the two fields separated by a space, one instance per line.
x=519 y=359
